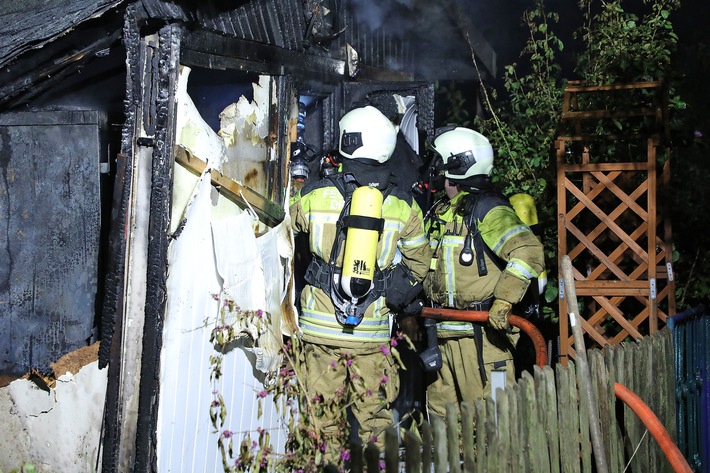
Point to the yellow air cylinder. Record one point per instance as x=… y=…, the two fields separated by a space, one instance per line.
x=524 y=206
x=361 y=243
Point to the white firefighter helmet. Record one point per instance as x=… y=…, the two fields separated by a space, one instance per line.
x=464 y=152
x=367 y=134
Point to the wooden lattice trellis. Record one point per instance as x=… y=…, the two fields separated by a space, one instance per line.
x=609 y=220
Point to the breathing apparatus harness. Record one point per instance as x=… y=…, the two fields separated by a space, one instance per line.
x=327 y=276
x=473 y=208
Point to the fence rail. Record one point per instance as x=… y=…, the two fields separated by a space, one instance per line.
x=541 y=423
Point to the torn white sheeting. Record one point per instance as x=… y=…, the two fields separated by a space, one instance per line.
x=64 y=423
x=196 y=136
x=244 y=129
x=276 y=249
x=249 y=288
x=192 y=131
x=184 y=428
x=186 y=441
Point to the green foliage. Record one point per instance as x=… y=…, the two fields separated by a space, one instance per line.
x=303 y=412
x=623 y=47
x=523 y=126
x=522 y=119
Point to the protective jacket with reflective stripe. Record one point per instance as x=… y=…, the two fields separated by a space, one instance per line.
x=451 y=284
x=315 y=210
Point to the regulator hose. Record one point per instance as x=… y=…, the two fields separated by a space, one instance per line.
x=480 y=316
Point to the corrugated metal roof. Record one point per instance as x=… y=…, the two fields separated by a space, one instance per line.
x=25 y=25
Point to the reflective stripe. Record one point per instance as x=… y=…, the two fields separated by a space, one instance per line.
x=450 y=274
x=520 y=268
x=310 y=302
x=328 y=320
x=453 y=240
x=317 y=241
x=385 y=255
x=393 y=225
x=507 y=236
x=324 y=325
x=454 y=326
x=413 y=242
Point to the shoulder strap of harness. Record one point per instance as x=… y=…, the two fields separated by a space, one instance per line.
x=475 y=209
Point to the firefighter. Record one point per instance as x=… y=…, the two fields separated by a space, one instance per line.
x=484 y=258
x=356 y=220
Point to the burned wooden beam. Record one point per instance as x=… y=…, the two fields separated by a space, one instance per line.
x=270 y=213
x=233 y=53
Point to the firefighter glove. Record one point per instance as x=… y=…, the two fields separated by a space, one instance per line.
x=499 y=313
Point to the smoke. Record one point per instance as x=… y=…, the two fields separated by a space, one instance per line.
x=439 y=33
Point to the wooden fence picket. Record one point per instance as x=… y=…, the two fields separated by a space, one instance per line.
x=468 y=439
x=540 y=424
x=506 y=449
x=439 y=442
x=412 y=452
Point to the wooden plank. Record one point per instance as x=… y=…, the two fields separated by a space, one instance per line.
x=669 y=397
x=568 y=419
x=515 y=402
x=580 y=87
x=452 y=436
x=600 y=114
x=481 y=454
x=438 y=429
x=468 y=438
x=648 y=387
x=591 y=167
x=615 y=447
x=534 y=415
x=427 y=446
x=391 y=450
x=372 y=457
x=584 y=434
x=547 y=394
x=505 y=446
x=356 y=456
x=644 y=388
x=631 y=421
x=412 y=452
x=492 y=459
x=562 y=249
x=270 y=213
x=652 y=229
x=604 y=399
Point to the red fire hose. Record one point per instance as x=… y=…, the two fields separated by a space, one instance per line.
x=482 y=317
x=670 y=449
